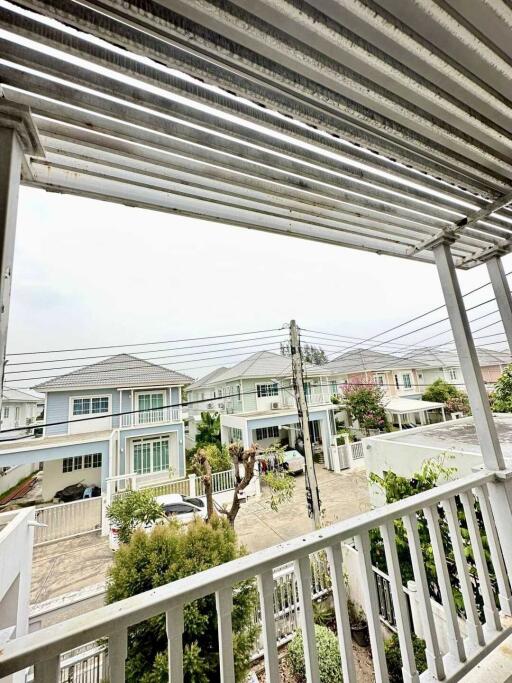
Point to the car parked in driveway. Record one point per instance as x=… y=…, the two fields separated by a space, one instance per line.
x=175 y=505
x=293 y=462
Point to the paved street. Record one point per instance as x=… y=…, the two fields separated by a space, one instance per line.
x=67 y=566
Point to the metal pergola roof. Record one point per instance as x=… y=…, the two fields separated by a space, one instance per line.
x=375 y=125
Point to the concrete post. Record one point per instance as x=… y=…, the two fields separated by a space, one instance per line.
x=501 y=491
x=192 y=485
x=502 y=294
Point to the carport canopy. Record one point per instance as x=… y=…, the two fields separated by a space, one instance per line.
x=403 y=406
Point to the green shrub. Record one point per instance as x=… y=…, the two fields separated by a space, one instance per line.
x=394 y=657
x=329 y=659
x=132 y=509
x=171 y=552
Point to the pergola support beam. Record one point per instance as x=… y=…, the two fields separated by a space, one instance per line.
x=18 y=135
x=501 y=290
x=501 y=491
x=10 y=173
x=466 y=350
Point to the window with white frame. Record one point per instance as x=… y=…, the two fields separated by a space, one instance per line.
x=150 y=406
x=17 y=413
x=236 y=434
x=6 y=411
x=81 y=462
x=267 y=390
x=267 y=433
x=406 y=378
x=380 y=380
x=452 y=373
x=92 y=460
x=91 y=405
x=151 y=455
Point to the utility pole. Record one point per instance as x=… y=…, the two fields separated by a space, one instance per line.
x=312 y=494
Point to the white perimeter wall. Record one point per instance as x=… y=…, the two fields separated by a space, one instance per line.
x=15 y=474
x=382 y=454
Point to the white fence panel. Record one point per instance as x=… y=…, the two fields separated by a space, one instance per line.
x=68 y=519
x=357 y=450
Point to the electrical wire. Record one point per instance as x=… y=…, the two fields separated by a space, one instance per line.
x=183 y=404
x=168 y=341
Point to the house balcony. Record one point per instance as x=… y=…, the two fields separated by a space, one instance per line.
x=470 y=632
x=143 y=418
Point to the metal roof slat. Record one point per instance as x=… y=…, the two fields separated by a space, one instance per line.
x=213 y=66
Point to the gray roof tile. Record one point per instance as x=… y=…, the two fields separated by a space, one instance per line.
x=122 y=370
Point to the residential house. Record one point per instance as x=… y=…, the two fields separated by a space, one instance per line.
x=118 y=416
x=445 y=365
x=19 y=409
x=257 y=404
x=400 y=380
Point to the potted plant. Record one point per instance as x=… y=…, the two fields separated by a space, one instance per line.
x=358 y=624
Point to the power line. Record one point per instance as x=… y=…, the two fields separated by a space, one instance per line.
x=87 y=374
x=175 y=348
x=168 y=341
x=183 y=404
x=119 y=364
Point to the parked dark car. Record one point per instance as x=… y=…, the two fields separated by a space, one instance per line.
x=70 y=493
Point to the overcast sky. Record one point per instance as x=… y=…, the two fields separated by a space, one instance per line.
x=90 y=273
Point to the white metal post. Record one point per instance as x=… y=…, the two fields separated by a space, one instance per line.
x=502 y=293
x=500 y=492
x=10 y=172
x=484 y=423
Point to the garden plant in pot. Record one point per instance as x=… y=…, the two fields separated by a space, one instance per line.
x=358 y=624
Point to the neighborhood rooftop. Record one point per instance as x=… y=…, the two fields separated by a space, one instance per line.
x=121 y=370
x=260 y=364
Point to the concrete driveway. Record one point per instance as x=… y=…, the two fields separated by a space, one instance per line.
x=342 y=495
x=67 y=566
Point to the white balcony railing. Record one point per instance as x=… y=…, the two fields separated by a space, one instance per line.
x=482 y=625
x=149 y=417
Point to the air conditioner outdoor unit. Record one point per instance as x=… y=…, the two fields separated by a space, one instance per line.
x=274 y=406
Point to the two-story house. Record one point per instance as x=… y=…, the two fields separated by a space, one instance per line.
x=256 y=401
x=19 y=409
x=440 y=364
x=118 y=416
x=400 y=379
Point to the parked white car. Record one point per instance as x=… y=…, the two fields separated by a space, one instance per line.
x=294 y=462
x=183 y=508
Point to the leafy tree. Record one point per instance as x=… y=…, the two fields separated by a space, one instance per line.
x=171 y=552
x=455 y=401
x=439 y=391
x=208 y=430
x=432 y=473
x=364 y=403
x=311 y=354
x=501 y=398
x=132 y=509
